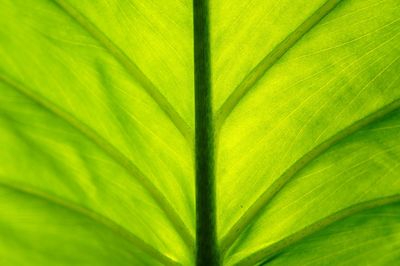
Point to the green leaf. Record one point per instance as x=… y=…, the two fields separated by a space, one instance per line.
x=241 y=132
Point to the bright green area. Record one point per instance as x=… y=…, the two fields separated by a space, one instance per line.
x=97 y=132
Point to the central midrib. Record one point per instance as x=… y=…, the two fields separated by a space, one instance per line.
x=206 y=239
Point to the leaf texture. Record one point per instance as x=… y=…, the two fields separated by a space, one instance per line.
x=97 y=132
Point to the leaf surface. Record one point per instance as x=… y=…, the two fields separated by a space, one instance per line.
x=97 y=124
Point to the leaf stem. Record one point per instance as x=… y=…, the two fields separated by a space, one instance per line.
x=206 y=239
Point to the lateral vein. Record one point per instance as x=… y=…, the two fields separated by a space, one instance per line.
x=92 y=215
x=252 y=212
x=111 y=151
x=270 y=60
x=130 y=67
x=276 y=248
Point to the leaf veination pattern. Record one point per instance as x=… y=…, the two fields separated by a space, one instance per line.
x=213 y=249
x=98 y=218
x=272 y=250
x=269 y=60
x=110 y=150
x=309 y=157
x=130 y=66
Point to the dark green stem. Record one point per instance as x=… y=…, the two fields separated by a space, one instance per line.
x=206 y=239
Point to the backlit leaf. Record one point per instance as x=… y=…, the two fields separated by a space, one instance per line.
x=97 y=131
